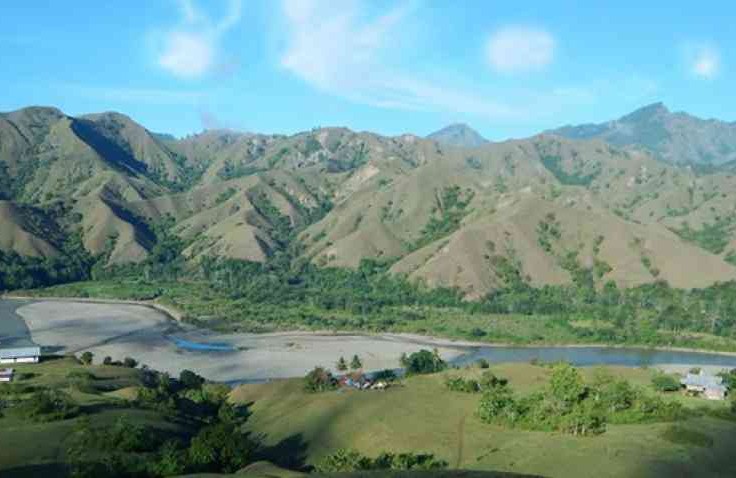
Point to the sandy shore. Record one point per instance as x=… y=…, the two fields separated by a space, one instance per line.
x=120 y=330
x=123 y=329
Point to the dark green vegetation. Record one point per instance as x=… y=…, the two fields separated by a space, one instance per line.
x=351 y=460
x=569 y=405
x=70 y=419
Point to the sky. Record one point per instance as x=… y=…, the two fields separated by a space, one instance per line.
x=508 y=69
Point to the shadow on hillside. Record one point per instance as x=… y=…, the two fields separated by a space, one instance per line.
x=35 y=471
x=715 y=460
x=290 y=453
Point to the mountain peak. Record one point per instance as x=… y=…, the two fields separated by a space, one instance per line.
x=458 y=134
x=647 y=112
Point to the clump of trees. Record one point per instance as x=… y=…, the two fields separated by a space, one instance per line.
x=569 y=405
x=48 y=405
x=319 y=380
x=487 y=382
x=423 y=362
x=663 y=382
x=344 y=460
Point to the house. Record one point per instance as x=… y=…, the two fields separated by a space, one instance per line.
x=6 y=374
x=20 y=354
x=709 y=386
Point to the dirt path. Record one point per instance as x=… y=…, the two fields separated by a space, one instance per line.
x=460 y=442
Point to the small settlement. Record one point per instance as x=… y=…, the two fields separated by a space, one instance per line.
x=6 y=374
x=20 y=354
x=361 y=381
x=705 y=385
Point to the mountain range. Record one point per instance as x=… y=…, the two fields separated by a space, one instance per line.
x=451 y=210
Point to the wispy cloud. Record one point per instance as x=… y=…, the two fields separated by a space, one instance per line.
x=704 y=60
x=346 y=53
x=516 y=49
x=192 y=49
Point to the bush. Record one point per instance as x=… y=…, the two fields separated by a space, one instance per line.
x=386 y=375
x=665 y=383
x=483 y=363
x=319 y=380
x=87 y=357
x=191 y=380
x=49 y=405
x=130 y=362
x=423 y=362
x=350 y=460
x=221 y=447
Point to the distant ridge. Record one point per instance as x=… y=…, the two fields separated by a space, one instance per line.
x=458 y=135
x=674 y=137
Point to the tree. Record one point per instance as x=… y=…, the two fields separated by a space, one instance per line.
x=566 y=386
x=130 y=362
x=355 y=363
x=87 y=358
x=191 y=380
x=107 y=360
x=222 y=447
x=319 y=380
x=663 y=382
x=424 y=361
x=341 y=365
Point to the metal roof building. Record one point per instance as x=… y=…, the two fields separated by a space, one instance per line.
x=711 y=386
x=20 y=354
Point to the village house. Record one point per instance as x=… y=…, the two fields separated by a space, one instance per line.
x=20 y=355
x=6 y=374
x=709 y=386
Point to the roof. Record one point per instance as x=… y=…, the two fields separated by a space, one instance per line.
x=705 y=381
x=4 y=372
x=20 y=352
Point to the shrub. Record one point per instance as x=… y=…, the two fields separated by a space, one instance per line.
x=350 y=460
x=319 y=380
x=191 y=380
x=483 y=363
x=130 y=362
x=386 y=375
x=87 y=357
x=49 y=405
x=423 y=362
x=665 y=383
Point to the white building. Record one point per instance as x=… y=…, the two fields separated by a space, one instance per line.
x=20 y=355
x=709 y=386
x=6 y=374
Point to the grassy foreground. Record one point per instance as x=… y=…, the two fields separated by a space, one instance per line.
x=422 y=415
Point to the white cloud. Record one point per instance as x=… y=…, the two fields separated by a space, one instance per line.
x=516 y=49
x=192 y=49
x=343 y=53
x=705 y=61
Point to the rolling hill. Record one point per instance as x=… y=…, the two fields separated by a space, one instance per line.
x=449 y=210
x=673 y=137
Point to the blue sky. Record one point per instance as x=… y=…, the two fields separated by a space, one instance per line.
x=509 y=69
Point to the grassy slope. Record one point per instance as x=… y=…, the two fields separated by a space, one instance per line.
x=36 y=449
x=424 y=416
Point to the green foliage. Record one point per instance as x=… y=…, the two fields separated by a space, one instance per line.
x=553 y=164
x=191 y=380
x=356 y=363
x=344 y=460
x=423 y=362
x=341 y=365
x=665 y=383
x=450 y=210
x=713 y=237
x=570 y=406
x=87 y=357
x=319 y=380
x=49 y=405
x=386 y=375
x=221 y=447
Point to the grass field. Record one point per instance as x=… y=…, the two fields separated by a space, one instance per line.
x=422 y=416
